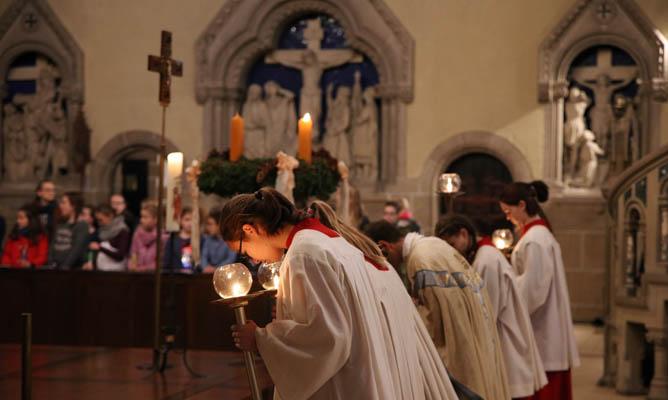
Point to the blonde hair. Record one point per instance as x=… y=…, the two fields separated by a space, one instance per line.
x=151 y=207
x=324 y=212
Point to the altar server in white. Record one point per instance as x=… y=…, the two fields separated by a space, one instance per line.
x=537 y=262
x=345 y=328
x=523 y=364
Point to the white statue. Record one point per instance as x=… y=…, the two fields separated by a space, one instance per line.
x=281 y=130
x=285 y=178
x=312 y=62
x=17 y=164
x=588 y=161
x=625 y=134
x=256 y=122
x=601 y=80
x=365 y=137
x=337 y=125
x=574 y=128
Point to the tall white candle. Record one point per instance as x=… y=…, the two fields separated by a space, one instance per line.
x=174 y=164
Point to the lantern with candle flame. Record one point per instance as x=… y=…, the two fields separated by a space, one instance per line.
x=233 y=282
x=503 y=239
x=268 y=276
x=449 y=185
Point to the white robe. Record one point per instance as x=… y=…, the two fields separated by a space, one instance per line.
x=542 y=282
x=346 y=330
x=524 y=368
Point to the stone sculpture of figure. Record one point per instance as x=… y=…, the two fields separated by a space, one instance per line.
x=285 y=178
x=17 y=164
x=281 y=130
x=337 y=125
x=574 y=128
x=45 y=124
x=601 y=115
x=356 y=101
x=588 y=161
x=365 y=137
x=625 y=134
x=256 y=122
x=56 y=143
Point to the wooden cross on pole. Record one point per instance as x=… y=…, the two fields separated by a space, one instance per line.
x=166 y=67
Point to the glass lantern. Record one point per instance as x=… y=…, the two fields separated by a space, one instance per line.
x=232 y=280
x=503 y=238
x=449 y=183
x=268 y=275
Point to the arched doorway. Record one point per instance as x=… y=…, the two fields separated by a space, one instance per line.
x=483 y=178
x=135 y=175
x=128 y=164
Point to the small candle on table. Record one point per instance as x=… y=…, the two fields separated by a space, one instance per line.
x=305 y=129
x=236 y=137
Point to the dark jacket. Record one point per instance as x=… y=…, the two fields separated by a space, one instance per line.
x=68 y=247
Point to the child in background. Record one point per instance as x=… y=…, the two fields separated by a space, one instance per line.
x=114 y=241
x=27 y=245
x=215 y=251
x=178 y=251
x=143 y=248
x=68 y=245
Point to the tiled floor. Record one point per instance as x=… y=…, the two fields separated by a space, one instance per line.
x=590 y=345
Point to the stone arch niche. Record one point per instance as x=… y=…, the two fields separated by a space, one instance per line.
x=633 y=248
x=103 y=171
x=41 y=79
x=606 y=27
x=662 y=231
x=460 y=145
x=245 y=31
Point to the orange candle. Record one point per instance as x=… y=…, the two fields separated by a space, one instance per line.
x=236 y=137
x=305 y=129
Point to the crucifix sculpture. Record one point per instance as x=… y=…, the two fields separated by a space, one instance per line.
x=166 y=67
x=312 y=63
x=603 y=79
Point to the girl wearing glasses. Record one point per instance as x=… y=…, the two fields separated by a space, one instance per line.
x=346 y=327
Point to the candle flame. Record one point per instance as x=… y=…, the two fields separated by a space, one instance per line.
x=236 y=290
x=306 y=117
x=276 y=280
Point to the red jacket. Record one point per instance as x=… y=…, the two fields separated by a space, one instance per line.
x=36 y=253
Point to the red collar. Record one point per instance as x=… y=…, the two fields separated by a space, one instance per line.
x=312 y=224
x=486 y=241
x=379 y=267
x=538 y=222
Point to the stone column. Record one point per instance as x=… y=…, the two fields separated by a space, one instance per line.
x=658 y=389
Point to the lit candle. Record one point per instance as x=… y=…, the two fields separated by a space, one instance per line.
x=276 y=280
x=236 y=137
x=174 y=165
x=305 y=129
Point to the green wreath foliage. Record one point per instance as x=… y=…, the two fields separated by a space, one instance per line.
x=225 y=178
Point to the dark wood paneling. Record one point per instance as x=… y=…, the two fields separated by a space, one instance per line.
x=115 y=309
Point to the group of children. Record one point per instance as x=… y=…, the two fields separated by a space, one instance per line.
x=70 y=235
x=500 y=329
